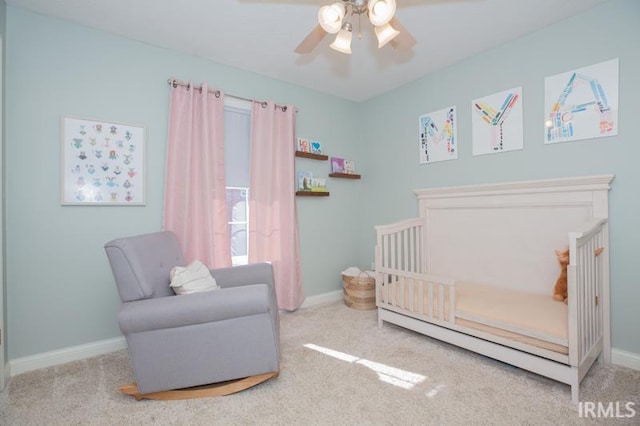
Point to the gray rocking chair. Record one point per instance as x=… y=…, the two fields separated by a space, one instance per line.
x=226 y=338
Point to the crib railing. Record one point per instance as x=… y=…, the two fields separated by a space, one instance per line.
x=400 y=246
x=401 y=282
x=585 y=286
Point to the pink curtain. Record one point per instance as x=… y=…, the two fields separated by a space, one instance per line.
x=195 y=204
x=273 y=222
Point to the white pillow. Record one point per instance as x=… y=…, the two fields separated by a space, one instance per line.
x=193 y=278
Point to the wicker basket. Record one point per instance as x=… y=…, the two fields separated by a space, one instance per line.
x=359 y=292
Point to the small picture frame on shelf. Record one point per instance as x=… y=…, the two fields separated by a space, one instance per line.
x=318 y=185
x=303 y=145
x=305 y=180
x=316 y=147
x=349 y=166
x=337 y=165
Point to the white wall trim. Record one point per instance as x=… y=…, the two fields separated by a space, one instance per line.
x=625 y=359
x=62 y=356
x=76 y=353
x=322 y=299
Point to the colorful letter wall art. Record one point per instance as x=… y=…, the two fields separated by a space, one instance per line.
x=497 y=122
x=438 y=136
x=102 y=163
x=582 y=104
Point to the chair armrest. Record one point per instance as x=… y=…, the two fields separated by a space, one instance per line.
x=255 y=273
x=195 y=308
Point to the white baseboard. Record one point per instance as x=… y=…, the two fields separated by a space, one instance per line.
x=62 y=356
x=322 y=299
x=625 y=359
x=76 y=353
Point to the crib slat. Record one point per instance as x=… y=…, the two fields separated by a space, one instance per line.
x=384 y=288
x=394 y=250
x=585 y=298
x=440 y=303
x=452 y=303
x=592 y=292
x=430 y=299
x=392 y=291
x=405 y=241
x=412 y=249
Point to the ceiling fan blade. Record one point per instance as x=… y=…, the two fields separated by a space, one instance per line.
x=312 y=40
x=404 y=40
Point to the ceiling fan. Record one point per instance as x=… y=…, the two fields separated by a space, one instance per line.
x=336 y=18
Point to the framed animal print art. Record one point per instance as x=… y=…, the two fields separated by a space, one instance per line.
x=103 y=163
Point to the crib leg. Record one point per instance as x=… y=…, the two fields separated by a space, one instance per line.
x=575 y=385
x=379 y=319
x=575 y=393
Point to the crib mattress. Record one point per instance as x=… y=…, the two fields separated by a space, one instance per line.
x=534 y=319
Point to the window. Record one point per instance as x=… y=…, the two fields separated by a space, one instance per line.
x=238 y=216
x=237 y=125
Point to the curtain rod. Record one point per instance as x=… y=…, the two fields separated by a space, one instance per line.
x=174 y=83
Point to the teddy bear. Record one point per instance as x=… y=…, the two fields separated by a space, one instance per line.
x=560 y=289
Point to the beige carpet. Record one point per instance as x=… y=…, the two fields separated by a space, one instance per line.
x=349 y=373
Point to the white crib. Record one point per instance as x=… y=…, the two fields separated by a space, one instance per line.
x=477 y=270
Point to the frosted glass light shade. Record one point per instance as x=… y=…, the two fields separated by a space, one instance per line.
x=330 y=17
x=385 y=34
x=381 y=11
x=342 y=43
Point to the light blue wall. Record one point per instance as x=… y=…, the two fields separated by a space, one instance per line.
x=59 y=289
x=390 y=141
x=60 y=292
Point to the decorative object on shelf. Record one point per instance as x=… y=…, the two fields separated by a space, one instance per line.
x=103 y=163
x=316 y=147
x=318 y=185
x=337 y=164
x=497 y=122
x=336 y=18
x=305 y=179
x=438 y=136
x=582 y=104
x=349 y=166
x=303 y=145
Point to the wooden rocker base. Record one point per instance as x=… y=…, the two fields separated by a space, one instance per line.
x=212 y=390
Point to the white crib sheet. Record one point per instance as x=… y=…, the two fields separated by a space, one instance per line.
x=529 y=318
x=525 y=317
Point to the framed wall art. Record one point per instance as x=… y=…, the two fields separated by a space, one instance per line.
x=103 y=163
x=497 y=124
x=582 y=103
x=438 y=136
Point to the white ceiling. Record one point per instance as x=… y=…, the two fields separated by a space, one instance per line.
x=260 y=36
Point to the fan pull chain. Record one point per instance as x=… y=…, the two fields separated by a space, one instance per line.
x=360 y=26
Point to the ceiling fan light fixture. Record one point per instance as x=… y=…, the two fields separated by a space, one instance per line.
x=381 y=11
x=342 y=43
x=330 y=17
x=385 y=33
